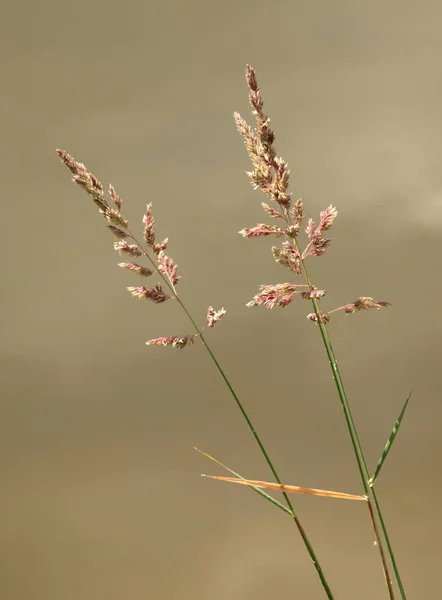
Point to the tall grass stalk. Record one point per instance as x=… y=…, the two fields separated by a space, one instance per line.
x=271 y=175
x=166 y=269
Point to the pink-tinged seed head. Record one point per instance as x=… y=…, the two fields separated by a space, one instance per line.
x=213 y=316
x=155 y=294
x=174 y=341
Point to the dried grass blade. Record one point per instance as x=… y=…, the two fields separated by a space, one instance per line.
x=289 y=489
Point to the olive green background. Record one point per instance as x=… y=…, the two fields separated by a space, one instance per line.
x=101 y=494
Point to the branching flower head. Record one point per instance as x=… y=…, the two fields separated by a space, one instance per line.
x=154 y=252
x=271 y=175
x=213 y=316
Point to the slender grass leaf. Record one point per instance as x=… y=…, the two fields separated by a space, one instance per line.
x=389 y=443
x=255 y=488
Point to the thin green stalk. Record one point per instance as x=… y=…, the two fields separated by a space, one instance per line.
x=359 y=454
x=365 y=476
x=362 y=466
x=301 y=529
x=272 y=468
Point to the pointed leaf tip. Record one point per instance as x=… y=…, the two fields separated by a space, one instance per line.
x=389 y=443
x=255 y=488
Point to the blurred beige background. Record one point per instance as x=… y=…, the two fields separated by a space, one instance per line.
x=101 y=494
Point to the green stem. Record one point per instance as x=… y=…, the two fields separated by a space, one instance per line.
x=362 y=465
x=271 y=466
x=359 y=454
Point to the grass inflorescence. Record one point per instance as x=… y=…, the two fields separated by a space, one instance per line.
x=300 y=240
